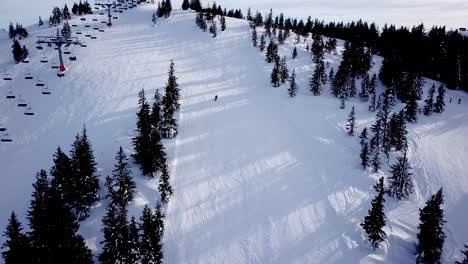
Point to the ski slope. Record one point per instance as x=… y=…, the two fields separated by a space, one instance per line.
x=258 y=177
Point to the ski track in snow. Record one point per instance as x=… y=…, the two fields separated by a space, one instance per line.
x=258 y=177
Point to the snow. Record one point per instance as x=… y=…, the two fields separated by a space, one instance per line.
x=258 y=177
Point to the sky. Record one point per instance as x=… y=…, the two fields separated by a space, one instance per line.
x=452 y=13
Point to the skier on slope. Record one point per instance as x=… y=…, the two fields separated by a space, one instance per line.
x=216 y=98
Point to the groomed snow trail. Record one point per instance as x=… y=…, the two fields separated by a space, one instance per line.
x=258 y=177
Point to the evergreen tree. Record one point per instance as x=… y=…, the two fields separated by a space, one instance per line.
x=397 y=131
x=283 y=70
x=18 y=52
x=294 y=53
x=62 y=175
x=411 y=110
x=401 y=183
x=272 y=52
x=11 y=31
x=159 y=219
x=254 y=37
x=376 y=159
x=17 y=245
x=185 y=5
x=142 y=142
x=66 y=30
x=164 y=186
x=331 y=74
x=85 y=180
x=465 y=256
x=151 y=239
x=133 y=242
x=292 y=84
x=364 y=148
x=351 y=122
x=66 y=12
x=213 y=29
x=374 y=222
x=222 y=21
x=318 y=79
x=156 y=117
x=431 y=234
x=364 y=93
x=116 y=236
x=439 y=105
x=262 y=43
x=121 y=187
x=40 y=23
x=275 y=75
x=429 y=102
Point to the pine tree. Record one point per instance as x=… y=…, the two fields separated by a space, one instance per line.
x=254 y=37
x=397 y=131
x=292 y=90
x=376 y=159
x=142 y=142
x=364 y=148
x=62 y=175
x=213 y=29
x=40 y=23
x=262 y=43
x=116 y=236
x=429 y=102
x=151 y=239
x=283 y=70
x=439 y=105
x=18 y=52
x=411 y=110
x=11 y=31
x=164 y=186
x=431 y=234
x=170 y=104
x=222 y=21
x=159 y=219
x=351 y=122
x=17 y=245
x=185 y=5
x=66 y=30
x=318 y=79
x=121 y=187
x=465 y=256
x=364 y=93
x=133 y=242
x=85 y=180
x=66 y=12
x=275 y=75
x=272 y=52
x=294 y=53
x=401 y=183
x=374 y=222
x=156 y=117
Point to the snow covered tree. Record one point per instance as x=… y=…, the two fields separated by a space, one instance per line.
x=294 y=53
x=142 y=142
x=401 y=183
x=318 y=79
x=164 y=186
x=262 y=43
x=170 y=104
x=292 y=90
x=66 y=12
x=429 y=102
x=214 y=29
x=195 y=5
x=351 y=122
x=133 y=242
x=156 y=116
x=275 y=75
x=254 y=37
x=120 y=186
x=40 y=23
x=66 y=30
x=85 y=180
x=185 y=5
x=62 y=174
x=283 y=70
x=439 y=105
x=412 y=109
x=222 y=21
x=397 y=131
x=11 y=31
x=116 y=236
x=159 y=219
x=272 y=52
x=17 y=246
x=431 y=234
x=19 y=53
x=364 y=148
x=151 y=239
x=374 y=222
x=364 y=93
x=465 y=256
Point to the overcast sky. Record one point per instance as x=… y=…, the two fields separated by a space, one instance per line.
x=453 y=13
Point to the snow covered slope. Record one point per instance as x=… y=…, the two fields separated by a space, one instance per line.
x=258 y=177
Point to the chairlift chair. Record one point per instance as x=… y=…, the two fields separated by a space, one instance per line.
x=72 y=58
x=67 y=52
x=26 y=60
x=45 y=90
x=96 y=28
x=39 y=47
x=6 y=77
x=74 y=25
x=115 y=17
x=78 y=33
x=83 y=18
x=2 y=128
x=6 y=138
x=95 y=19
x=28 y=111
x=28 y=76
x=10 y=95
x=44 y=60
x=101 y=30
x=22 y=103
x=54 y=67
x=40 y=83
x=87 y=26
x=93 y=37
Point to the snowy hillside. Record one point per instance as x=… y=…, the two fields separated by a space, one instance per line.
x=258 y=177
